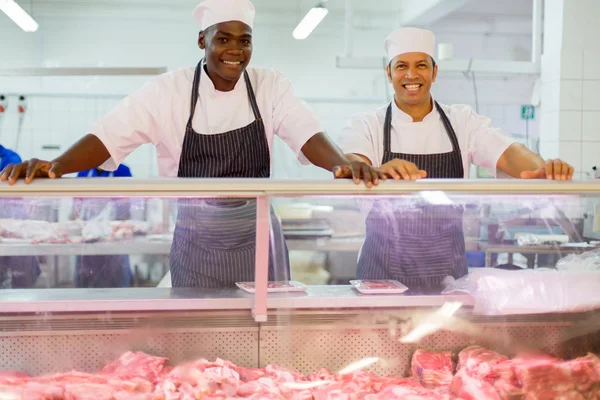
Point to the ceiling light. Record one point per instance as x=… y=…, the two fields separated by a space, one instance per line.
x=310 y=21
x=18 y=15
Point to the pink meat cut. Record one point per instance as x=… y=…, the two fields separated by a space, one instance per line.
x=432 y=369
x=481 y=375
x=478 y=362
x=137 y=365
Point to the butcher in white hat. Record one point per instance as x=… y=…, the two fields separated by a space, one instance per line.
x=415 y=137
x=217 y=120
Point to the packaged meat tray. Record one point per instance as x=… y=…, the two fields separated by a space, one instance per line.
x=378 y=286
x=274 y=287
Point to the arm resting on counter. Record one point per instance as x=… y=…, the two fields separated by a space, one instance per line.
x=89 y=152
x=520 y=162
x=518 y=159
x=321 y=151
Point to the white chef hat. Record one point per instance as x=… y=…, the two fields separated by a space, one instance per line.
x=410 y=40
x=211 y=12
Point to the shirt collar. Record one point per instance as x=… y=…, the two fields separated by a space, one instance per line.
x=207 y=84
x=401 y=116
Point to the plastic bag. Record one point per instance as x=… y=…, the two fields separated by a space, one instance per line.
x=589 y=261
x=499 y=292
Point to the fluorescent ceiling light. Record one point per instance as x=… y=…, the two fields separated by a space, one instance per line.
x=18 y=15
x=310 y=22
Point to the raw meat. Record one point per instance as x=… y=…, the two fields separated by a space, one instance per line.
x=481 y=375
x=137 y=365
x=466 y=387
x=478 y=361
x=432 y=369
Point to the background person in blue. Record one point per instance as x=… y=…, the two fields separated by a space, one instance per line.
x=109 y=271
x=8 y=157
x=15 y=272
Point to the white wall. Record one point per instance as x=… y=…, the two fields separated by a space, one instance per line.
x=570 y=84
x=167 y=37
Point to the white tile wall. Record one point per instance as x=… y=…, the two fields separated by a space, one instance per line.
x=591 y=95
x=570 y=125
x=571 y=94
x=590 y=155
x=591 y=63
x=571 y=63
x=549 y=149
x=571 y=153
x=591 y=126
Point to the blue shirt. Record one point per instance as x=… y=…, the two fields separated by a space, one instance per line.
x=8 y=157
x=122 y=172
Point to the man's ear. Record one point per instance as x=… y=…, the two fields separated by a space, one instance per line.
x=388 y=72
x=202 y=40
x=435 y=72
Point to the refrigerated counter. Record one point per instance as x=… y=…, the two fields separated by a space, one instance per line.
x=49 y=331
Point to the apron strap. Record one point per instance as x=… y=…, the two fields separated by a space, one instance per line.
x=449 y=129
x=195 y=90
x=251 y=96
x=387 y=130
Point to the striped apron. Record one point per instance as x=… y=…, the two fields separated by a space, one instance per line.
x=416 y=244
x=214 y=245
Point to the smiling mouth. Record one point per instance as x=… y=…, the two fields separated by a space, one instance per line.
x=232 y=62
x=413 y=87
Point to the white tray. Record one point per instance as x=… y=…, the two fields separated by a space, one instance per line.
x=378 y=286
x=274 y=287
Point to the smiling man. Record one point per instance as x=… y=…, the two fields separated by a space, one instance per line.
x=215 y=121
x=415 y=137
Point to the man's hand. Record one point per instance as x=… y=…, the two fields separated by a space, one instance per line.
x=359 y=170
x=29 y=170
x=554 y=170
x=401 y=169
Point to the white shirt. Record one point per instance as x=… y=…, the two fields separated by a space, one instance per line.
x=480 y=143
x=158 y=113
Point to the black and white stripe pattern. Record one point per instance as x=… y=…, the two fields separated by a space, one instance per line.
x=417 y=244
x=214 y=244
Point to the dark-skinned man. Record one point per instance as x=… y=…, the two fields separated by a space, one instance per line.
x=215 y=121
x=415 y=137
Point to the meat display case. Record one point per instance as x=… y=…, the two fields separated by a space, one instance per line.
x=50 y=330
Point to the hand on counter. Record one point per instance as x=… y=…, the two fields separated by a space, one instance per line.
x=29 y=170
x=553 y=169
x=359 y=170
x=401 y=169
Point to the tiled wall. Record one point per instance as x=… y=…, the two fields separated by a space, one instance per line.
x=570 y=123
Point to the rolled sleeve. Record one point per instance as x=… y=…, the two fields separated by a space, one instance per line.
x=358 y=138
x=130 y=124
x=486 y=143
x=293 y=121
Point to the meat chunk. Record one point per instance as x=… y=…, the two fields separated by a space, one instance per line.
x=467 y=387
x=432 y=369
x=137 y=365
x=478 y=362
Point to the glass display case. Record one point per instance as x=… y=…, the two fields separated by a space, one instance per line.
x=506 y=309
